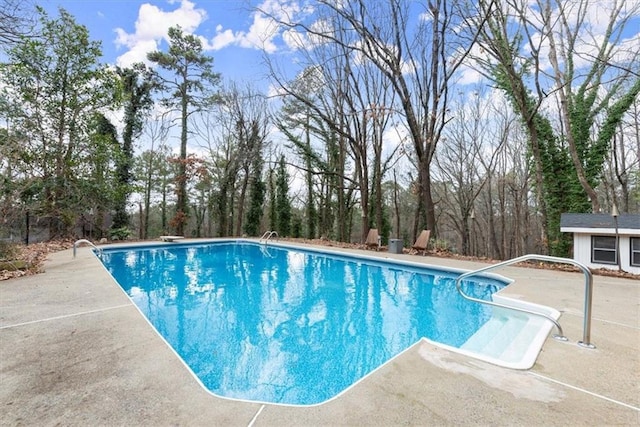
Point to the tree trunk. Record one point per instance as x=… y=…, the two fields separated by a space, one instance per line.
x=181 y=185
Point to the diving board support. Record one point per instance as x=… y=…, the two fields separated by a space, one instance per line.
x=586 y=336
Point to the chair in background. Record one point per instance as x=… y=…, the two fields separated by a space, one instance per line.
x=373 y=239
x=421 y=242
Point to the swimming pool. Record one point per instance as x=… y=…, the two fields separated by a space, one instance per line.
x=288 y=325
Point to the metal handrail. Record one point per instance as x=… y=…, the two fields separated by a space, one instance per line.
x=264 y=235
x=586 y=336
x=267 y=235
x=75 y=245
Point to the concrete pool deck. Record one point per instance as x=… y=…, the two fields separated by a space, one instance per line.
x=74 y=350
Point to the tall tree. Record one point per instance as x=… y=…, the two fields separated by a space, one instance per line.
x=418 y=58
x=152 y=172
x=257 y=194
x=136 y=84
x=273 y=209
x=473 y=140
x=310 y=119
x=296 y=115
x=55 y=83
x=283 y=203
x=234 y=132
x=189 y=88
x=568 y=161
x=579 y=86
x=101 y=183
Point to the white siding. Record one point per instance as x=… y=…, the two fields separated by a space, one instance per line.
x=582 y=253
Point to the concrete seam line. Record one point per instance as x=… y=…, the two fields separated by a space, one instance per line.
x=601 y=320
x=615 y=323
x=64 y=316
x=587 y=392
x=255 y=417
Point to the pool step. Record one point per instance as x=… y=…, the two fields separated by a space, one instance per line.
x=510 y=338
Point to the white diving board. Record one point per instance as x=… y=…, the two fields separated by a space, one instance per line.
x=170 y=238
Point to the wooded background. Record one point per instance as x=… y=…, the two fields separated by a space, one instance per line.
x=374 y=126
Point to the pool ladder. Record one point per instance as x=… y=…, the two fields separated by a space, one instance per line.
x=267 y=235
x=78 y=242
x=560 y=335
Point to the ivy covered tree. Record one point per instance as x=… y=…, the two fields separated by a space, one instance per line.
x=273 y=212
x=283 y=204
x=568 y=160
x=136 y=85
x=188 y=87
x=257 y=193
x=101 y=183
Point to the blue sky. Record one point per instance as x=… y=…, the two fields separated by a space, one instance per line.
x=238 y=37
x=231 y=32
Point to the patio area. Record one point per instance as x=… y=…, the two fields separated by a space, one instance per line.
x=74 y=350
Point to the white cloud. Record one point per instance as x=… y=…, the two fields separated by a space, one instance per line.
x=221 y=40
x=629 y=50
x=469 y=75
x=591 y=33
x=275 y=91
x=360 y=58
x=152 y=26
x=137 y=53
x=261 y=34
x=265 y=28
x=153 y=23
x=294 y=39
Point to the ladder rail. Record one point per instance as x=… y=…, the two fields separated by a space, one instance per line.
x=267 y=235
x=586 y=336
x=88 y=242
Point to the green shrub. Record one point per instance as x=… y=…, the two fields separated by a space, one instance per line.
x=121 y=233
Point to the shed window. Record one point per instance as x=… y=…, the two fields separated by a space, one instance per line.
x=604 y=250
x=635 y=251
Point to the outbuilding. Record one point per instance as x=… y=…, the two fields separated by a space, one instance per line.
x=604 y=240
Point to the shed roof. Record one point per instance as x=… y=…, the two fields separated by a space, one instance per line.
x=600 y=220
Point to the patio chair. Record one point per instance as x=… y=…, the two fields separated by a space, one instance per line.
x=373 y=239
x=421 y=242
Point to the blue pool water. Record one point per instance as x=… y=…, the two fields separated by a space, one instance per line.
x=286 y=325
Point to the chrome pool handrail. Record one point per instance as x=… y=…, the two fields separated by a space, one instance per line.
x=77 y=242
x=586 y=336
x=267 y=235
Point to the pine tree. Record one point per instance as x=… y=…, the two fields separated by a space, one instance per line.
x=189 y=89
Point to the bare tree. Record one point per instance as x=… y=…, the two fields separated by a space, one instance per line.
x=234 y=133
x=17 y=19
x=466 y=162
x=350 y=103
x=419 y=63
x=151 y=171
